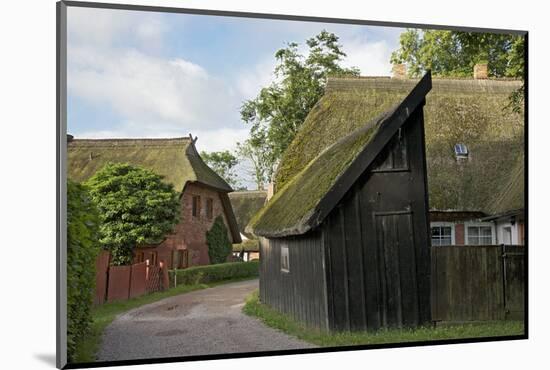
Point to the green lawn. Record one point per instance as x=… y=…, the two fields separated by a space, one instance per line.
x=103 y=315
x=274 y=319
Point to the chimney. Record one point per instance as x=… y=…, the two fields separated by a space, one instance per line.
x=270 y=190
x=399 y=71
x=480 y=71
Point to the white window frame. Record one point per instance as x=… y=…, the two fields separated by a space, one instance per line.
x=284 y=250
x=443 y=224
x=486 y=224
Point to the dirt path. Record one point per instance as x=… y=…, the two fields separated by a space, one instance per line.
x=206 y=321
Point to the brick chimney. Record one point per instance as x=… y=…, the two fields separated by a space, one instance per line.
x=399 y=71
x=270 y=190
x=480 y=71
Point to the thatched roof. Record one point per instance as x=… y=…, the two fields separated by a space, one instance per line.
x=245 y=204
x=175 y=159
x=308 y=197
x=471 y=112
x=511 y=195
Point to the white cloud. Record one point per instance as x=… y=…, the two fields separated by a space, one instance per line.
x=250 y=81
x=372 y=58
x=110 y=68
x=104 y=27
x=143 y=88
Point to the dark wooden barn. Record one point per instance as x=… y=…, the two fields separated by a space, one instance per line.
x=344 y=242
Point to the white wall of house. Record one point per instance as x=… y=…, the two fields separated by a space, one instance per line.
x=507 y=233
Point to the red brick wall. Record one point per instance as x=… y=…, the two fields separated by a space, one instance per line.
x=190 y=232
x=459 y=234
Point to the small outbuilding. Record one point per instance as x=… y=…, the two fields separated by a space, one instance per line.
x=344 y=241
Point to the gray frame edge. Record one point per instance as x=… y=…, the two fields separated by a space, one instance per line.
x=288 y=17
x=61 y=188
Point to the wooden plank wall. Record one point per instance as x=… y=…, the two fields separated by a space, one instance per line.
x=300 y=292
x=514 y=281
x=475 y=283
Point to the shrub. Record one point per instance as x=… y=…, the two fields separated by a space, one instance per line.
x=213 y=273
x=135 y=207
x=219 y=245
x=82 y=250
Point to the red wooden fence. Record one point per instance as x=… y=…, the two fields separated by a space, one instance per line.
x=119 y=283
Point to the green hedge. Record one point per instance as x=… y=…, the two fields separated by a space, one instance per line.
x=213 y=273
x=82 y=249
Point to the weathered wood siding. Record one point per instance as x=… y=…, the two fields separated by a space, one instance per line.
x=378 y=262
x=477 y=283
x=514 y=281
x=300 y=292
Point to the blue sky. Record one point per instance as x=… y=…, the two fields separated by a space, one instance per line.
x=145 y=74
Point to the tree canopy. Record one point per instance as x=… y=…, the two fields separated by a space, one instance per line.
x=276 y=114
x=135 y=207
x=454 y=54
x=223 y=163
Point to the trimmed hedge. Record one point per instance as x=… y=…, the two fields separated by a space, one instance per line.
x=213 y=273
x=82 y=249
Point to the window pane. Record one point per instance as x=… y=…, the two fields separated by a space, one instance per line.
x=446 y=231
x=446 y=240
x=485 y=241
x=473 y=240
x=473 y=231
x=485 y=231
x=436 y=231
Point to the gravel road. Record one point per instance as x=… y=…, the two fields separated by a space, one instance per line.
x=207 y=321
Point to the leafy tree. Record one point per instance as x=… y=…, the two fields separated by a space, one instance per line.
x=279 y=110
x=257 y=152
x=219 y=245
x=223 y=163
x=454 y=54
x=135 y=207
x=82 y=250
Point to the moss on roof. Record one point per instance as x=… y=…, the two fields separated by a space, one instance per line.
x=457 y=111
x=250 y=245
x=512 y=194
x=245 y=204
x=175 y=159
x=293 y=206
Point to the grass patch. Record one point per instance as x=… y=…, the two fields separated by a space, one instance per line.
x=277 y=320
x=103 y=315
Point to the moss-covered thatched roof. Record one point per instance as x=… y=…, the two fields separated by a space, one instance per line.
x=305 y=199
x=245 y=204
x=471 y=112
x=511 y=195
x=175 y=159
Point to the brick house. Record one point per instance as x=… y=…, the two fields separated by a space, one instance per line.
x=474 y=149
x=203 y=194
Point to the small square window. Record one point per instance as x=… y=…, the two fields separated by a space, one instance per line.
x=285 y=263
x=441 y=235
x=480 y=235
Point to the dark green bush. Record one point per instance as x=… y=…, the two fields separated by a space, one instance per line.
x=219 y=245
x=82 y=250
x=213 y=273
x=135 y=207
